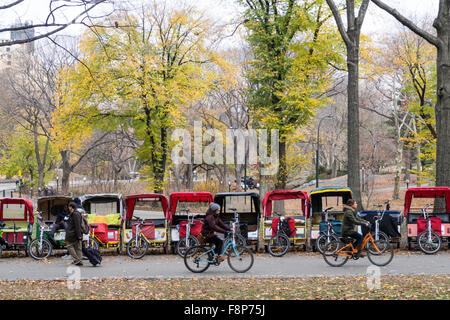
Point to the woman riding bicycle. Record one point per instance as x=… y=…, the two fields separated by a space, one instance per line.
x=214 y=224
x=349 y=222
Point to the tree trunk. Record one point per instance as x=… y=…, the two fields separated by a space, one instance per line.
x=354 y=179
x=442 y=25
x=282 y=168
x=66 y=171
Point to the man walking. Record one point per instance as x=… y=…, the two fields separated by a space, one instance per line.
x=74 y=235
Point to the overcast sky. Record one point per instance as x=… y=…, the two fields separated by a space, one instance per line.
x=226 y=10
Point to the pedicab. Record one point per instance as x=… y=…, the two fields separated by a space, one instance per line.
x=247 y=205
x=153 y=209
x=416 y=214
x=323 y=198
x=182 y=204
x=288 y=205
x=105 y=216
x=16 y=224
x=44 y=242
x=383 y=223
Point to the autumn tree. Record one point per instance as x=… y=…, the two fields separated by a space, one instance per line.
x=441 y=40
x=138 y=73
x=292 y=43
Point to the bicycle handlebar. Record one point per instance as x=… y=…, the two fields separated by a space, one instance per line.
x=328 y=209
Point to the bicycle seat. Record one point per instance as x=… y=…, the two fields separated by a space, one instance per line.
x=346 y=239
x=94 y=226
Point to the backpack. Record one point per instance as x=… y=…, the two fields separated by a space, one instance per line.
x=85 y=229
x=284 y=226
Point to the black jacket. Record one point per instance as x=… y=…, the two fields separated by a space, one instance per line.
x=73 y=227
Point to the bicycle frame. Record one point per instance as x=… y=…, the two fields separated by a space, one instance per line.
x=426 y=217
x=230 y=242
x=349 y=253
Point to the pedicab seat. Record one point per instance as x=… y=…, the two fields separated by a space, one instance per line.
x=436 y=224
x=276 y=222
x=148 y=229
x=196 y=228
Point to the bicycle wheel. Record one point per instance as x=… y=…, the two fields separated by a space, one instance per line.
x=323 y=240
x=240 y=243
x=40 y=250
x=429 y=242
x=278 y=245
x=334 y=256
x=185 y=244
x=240 y=261
x=381 y=253
x=381 y=236
x=137 y=250
x=197 y=259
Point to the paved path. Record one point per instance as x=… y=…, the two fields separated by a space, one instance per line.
x=171 y=266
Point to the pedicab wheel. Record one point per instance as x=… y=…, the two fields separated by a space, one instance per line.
x=182 y=245
x=93 y=243
x=38 y=250
x=429 y=245
x=383 y=255
x=278 y=245
x=197 y=259
x=381 y=236
x=331 y=257
x=137 y=250
x=240 y=260
x=323 y=240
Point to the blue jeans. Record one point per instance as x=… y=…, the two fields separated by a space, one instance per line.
x=357 y=236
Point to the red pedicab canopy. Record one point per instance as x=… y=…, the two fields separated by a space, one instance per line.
x=187 y=197
x=27 y=212
x=130 y=202
x=427 y=192
x=284 y=195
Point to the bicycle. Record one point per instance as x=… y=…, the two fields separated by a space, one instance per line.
x=327 y=236
x=138 y=246
x=379 y=252
x=188 y=240
x=429 y=241
x=240 y=259
x=279 y=243
x=380 y=234
x=40 y=248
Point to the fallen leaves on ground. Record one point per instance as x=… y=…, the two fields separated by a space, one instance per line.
x=404 y=287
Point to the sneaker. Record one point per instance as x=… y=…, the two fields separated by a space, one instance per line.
x=77 y=263
x=66 y=257
x=220 y=258
x=85 y=258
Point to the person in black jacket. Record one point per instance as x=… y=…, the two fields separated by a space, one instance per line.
x=74 y=235
x=214 y=224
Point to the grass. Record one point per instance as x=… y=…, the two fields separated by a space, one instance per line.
x=410 y=287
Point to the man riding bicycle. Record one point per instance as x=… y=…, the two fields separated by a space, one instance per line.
x=349 y=222
x=214 y=224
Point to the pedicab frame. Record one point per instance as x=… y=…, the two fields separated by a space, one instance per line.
x=175 y=219
x=300 y=237
x=114 y=231
x=50 y=207
x=19 y=236
x=411 y=217
x=161 y=225
x=250 y=219
x=316 y=208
